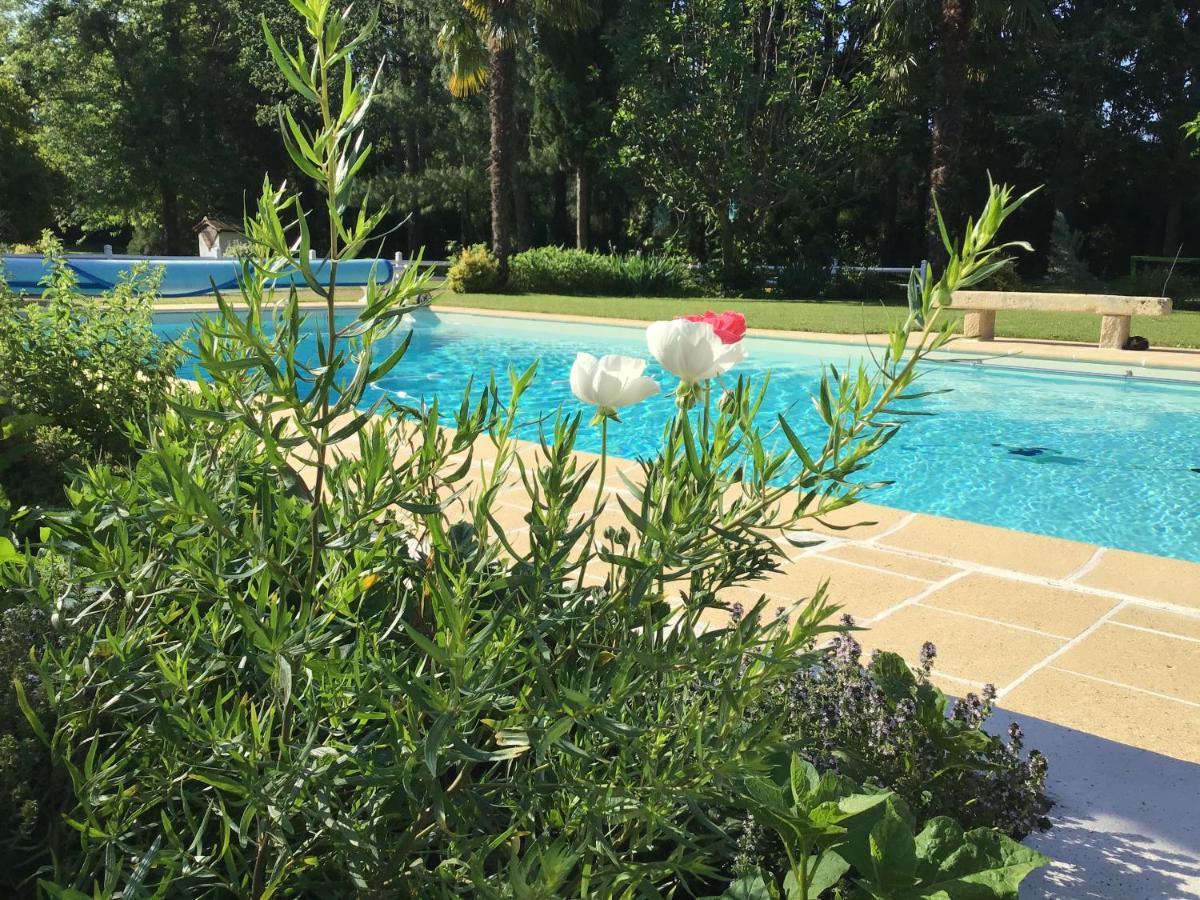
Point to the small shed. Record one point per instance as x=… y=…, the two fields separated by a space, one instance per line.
x=218 y=237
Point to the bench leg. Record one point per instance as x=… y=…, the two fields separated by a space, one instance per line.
x=980 y=325
x=1114 y=331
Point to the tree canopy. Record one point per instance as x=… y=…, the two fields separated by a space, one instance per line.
x=741 y=133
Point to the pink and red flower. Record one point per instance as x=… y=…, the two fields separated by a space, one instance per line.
x=729 y=326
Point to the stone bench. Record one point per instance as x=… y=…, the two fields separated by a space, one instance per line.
x=981 y=308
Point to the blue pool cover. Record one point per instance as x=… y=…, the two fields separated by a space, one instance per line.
x=183 y=276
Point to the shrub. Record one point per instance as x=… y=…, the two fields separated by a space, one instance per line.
x=31 y=790
x=295 y=667
x=887 y=726
x=1006 y=279
x=739 y=280
x=76 y=370
x=802 y=281
x=1182 y=286
x=474 y=270
x=555 y=270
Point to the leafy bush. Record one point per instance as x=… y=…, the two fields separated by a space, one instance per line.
x=555 y=270
x=742 y=279
x=1183 y=286
x=884 y=725
x=473 y=270
x=76 y=370
x=803 y=281
x=31 y=791
x=865 y=844
x=301 y=655
x=1006 y=279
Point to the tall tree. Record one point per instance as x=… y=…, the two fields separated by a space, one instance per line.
x=28 y=187
x=481 y=43
x=140 y=106
x=733 y=112
x=576 y=86
x=933 y=38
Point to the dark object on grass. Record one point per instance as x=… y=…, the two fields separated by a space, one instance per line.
x=1137 y=342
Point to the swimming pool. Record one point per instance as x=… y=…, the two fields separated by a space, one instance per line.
x=1107 y=460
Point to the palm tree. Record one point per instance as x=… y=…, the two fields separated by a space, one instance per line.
x=480 y=42
x=908 y=30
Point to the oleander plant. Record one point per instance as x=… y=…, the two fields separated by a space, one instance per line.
x=297 y=653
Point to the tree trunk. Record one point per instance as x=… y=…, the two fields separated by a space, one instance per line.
x=559 y=217
x=949 y=107
x=1173 y=224
x=172 y=232
x=729 y=257
x=412 y=164
x=583 y=205
x=524 y=216
x=502 y=70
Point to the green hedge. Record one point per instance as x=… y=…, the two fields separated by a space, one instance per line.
x=555 y=270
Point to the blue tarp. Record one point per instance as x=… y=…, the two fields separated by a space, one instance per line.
x=183 y=276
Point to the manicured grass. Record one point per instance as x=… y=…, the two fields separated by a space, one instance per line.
x=1180 y=329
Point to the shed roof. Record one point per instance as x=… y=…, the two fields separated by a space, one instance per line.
x=217 y=224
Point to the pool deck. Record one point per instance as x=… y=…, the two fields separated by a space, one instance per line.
x=1100 y=640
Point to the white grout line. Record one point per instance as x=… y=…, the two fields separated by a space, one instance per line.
x=887 y=532
x=1069 y=645
x=1086 y=567
x=916 y=598
x=1169 y=634
x=969 y=682
x=869 y=568
x=1121 y=684
x=1043 y=580
x=967 y=615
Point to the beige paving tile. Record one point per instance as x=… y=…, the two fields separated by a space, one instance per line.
x=510 y=518
x=857 y=522
x=1030 y=554
x=977 y=651
x=1153 y=577
x=1109 y=711
x=1159 y=620
x=899 y=563
x=955 y=687
x=863 y=592
x=1153 y=662
x=1059 y=611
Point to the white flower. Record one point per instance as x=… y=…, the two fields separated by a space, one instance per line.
x=610 y=382
x=691 y=350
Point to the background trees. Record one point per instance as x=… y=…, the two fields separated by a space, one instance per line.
x=749 y=132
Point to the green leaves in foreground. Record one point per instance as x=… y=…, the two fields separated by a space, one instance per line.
x=833 y=834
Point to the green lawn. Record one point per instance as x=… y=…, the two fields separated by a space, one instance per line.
x=1180 y=329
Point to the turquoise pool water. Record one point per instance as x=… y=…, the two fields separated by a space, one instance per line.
x=1113 y=461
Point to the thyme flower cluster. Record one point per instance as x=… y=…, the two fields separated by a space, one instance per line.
x=884 y=724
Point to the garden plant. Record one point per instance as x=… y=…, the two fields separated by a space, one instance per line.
x=297 y=653
x=75 y=369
